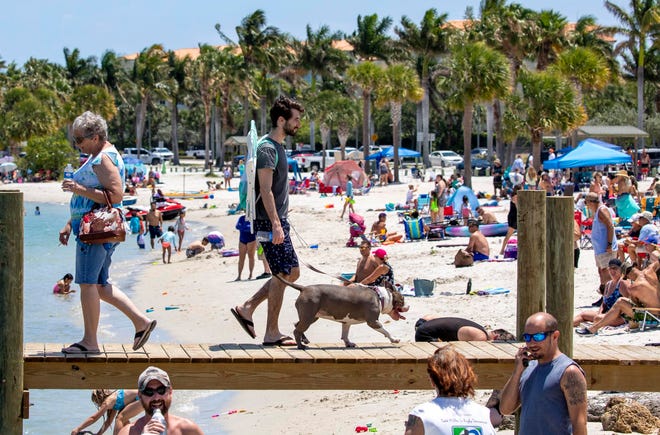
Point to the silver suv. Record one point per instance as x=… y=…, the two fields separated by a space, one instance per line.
x=145 y=156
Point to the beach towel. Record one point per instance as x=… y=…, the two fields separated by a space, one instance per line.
x=491 y=291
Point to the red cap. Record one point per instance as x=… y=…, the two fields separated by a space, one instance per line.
x=380 y=253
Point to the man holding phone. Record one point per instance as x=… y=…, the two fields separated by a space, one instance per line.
x=550 y=388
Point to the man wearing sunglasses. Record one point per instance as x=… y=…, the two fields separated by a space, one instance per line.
x=155 y=392
x=548 y=386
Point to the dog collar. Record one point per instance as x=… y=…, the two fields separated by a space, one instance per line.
x=385 y=298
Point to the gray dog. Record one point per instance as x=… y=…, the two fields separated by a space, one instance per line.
x=346 y=305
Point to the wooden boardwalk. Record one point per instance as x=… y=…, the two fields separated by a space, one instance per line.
x=372 y=366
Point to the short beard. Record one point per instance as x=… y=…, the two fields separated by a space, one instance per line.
x=289 y=131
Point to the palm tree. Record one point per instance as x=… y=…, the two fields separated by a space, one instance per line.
x=550 y=104
x=264 y=48
x=81 y=71
x=399 y=85
x=205 y=75
x=636 y=26
x=589 y=34
x=370 y=40
x=175 y=88
x=366 y=76
x=477 y=73
x=549 y=37
x=149 y=71
x=346 y=115
x=427 y=42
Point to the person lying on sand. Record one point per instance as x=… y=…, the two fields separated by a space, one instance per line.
x=432 y=327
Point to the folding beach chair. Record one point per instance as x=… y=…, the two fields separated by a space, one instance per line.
x=585 y=230
x=423 y=202
x=647 y=317
x=414 y=228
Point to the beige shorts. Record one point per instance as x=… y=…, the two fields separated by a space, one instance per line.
x=603 y=260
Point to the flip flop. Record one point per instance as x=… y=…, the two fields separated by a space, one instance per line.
x=79 y=349
x=143 y=336
x=247 y=325
x=284 y=341
x=584 y=332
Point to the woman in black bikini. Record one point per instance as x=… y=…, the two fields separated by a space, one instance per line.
x=616 y=287
x=383 y=272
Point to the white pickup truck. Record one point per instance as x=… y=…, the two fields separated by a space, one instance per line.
x=145 y=156
x=315 y=161
x=196 y=152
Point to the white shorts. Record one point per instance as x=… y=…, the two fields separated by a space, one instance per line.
x=603 y=260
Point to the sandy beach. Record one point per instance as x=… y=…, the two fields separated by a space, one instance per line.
x=204 y=289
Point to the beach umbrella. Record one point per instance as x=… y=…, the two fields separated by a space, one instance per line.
x=7 y=167
x=335 y=174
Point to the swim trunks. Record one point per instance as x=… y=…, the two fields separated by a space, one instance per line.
x=155 y=231
x=281 y=258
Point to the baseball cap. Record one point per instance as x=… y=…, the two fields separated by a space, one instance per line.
x=380 y=253
x=647 y=215
x=153 y=374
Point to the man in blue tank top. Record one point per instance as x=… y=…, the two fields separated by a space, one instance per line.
x=552 y=390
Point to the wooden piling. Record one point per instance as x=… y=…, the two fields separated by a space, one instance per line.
x=531 y=256
x=11 y=312
x=559 y=267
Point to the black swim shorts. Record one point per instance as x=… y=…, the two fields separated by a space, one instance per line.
x=281 y=258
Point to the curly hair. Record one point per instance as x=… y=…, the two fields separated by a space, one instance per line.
x=283 y=107
x=89 y=124
x=451 y=373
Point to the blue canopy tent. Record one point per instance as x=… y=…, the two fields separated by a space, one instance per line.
x=456 y=199
x=133 y=165
x=389 y=153
x=590 y=152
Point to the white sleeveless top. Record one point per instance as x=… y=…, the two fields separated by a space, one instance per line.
x=451 y=415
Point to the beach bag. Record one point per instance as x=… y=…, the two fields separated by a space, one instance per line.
x=463 y=258
x=103 y=224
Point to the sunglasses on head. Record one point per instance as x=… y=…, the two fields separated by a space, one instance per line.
x=539 y=336
x=151 y=391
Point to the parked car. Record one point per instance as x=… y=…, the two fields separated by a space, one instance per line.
x=163 y=153
x=145 y=156
x=196 y=152
x=475 y=164
x=445 y=158
x=480 y=153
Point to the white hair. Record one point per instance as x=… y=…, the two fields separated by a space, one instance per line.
x=89 y=124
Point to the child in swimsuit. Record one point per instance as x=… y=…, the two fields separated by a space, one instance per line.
x=63 y=286
x=168 y=240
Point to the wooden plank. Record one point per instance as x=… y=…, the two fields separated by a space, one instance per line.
x=53 y=351
x=256 y=352
x=637 y=354
x=277 y=354
x=176 y=353
x=115 y=352
x=497 y=352
x=299 y=355
x=155 y=353
x=377 y=353
x=337 y=352
x=217 y=353
x=319 y=354
x=197 y=353
x=429 y=348
x=235 y=353
x=472 y=350
x=34 y=351
x=419 y=354
x=400 y=356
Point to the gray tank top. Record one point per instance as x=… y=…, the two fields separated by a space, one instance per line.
x=544 y=408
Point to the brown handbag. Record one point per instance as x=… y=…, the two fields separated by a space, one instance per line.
x=103 y=224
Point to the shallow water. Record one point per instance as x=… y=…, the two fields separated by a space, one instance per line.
x=55 y=318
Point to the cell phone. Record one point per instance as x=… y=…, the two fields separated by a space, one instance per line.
x=527 y=357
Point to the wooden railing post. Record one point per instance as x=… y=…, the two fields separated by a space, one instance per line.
x=559 y=270
x=531 y=256
x=11 y=312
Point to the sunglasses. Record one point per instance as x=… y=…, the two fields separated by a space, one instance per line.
x=80 y=139
x=151 y=391
x=539 y=336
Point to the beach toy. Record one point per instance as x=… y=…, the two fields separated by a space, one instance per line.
x=169 y=307
x=149 y=310
x=314 y=246
x=373 y=429
x=329 y=206
x=212 y=196
x=359 y=429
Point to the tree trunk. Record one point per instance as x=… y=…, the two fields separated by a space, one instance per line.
x=207 y=136
x=425 y=123
x=467 y=144
x=219 y=144
x=537 y=141
x=325 y=136
x=139 y=122
x=343 y=132
x=490 y=116
x=396 y=136
x=312 y=135
x=175 y=132
x=366 y=116
x=418 y=122
x=640 y=99
x=499 y=130
x=248 y=115
x=264 y=109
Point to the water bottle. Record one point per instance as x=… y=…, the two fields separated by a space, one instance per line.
x=469 y=287
x=264 y=236
x=68 y=172
x=159 y=417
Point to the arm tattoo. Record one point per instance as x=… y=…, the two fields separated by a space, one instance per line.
x=574 y=386
x=413 y=420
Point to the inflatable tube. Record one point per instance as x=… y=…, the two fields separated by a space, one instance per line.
x=490 y=230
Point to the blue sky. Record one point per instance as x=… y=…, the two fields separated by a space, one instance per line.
x=42 y=28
